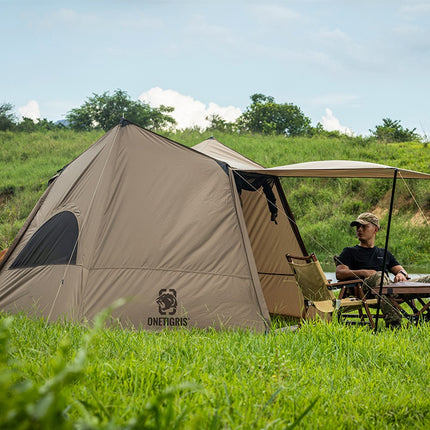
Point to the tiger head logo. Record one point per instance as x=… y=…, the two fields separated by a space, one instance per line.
x=167 y=302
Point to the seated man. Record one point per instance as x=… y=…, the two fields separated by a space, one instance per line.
x=365 y=261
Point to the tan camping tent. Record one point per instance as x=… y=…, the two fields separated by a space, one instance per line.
x=140 y=217
x=270 y=241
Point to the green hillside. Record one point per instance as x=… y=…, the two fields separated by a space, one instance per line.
x=323 y=208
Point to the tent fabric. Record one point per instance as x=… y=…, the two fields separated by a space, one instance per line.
x=215 y=149
x=270 y=241
x=339 y=169
x=160 y=225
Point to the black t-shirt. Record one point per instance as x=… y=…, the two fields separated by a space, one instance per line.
x=360 y=258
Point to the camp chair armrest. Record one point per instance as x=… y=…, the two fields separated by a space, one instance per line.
x=340 y=284
x=307 y=258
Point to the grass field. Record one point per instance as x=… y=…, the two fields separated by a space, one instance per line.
x=64 y=375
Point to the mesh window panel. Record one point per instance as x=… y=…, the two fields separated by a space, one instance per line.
x=54 y=243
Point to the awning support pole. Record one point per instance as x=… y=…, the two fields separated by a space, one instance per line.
x=387 y=237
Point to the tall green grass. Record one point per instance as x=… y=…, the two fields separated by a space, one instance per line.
x=27 y=162
x=322 y=208
x=63 y=375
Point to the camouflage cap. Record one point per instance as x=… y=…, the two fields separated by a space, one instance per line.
x=366 y=218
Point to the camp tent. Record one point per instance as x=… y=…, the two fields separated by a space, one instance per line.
x=270 y=239
x=184 y=238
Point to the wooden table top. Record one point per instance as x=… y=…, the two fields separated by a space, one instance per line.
x=406 y=287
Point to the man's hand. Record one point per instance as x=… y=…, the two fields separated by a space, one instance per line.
x=400 y=277
x=400 y=274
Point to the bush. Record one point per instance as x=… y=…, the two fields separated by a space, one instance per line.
x=392 y=131
x=7 y=118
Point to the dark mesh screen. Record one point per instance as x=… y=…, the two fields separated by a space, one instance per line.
x=53 y=243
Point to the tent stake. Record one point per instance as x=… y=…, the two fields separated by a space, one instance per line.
x=387 y=236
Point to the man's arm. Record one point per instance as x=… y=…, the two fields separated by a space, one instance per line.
x=400 y=274
x=344 y=273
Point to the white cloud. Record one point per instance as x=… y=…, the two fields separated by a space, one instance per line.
x=30 y=110
x=416 y=7
x=68 y=18
x=331 y=123
x=338 y=99
x=274 y=13
x=188 y=111
x=199 y=26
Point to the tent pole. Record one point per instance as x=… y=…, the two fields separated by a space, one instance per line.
x=387 y=236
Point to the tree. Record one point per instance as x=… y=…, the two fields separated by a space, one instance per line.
x=29 y=125
x=104 y=111
x=7 y=117
x=267 y=117
x=218 y=123
x=392 y=131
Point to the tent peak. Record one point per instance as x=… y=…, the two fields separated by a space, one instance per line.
x=123 y=122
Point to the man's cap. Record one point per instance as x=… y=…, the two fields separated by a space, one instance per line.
x=366 y=218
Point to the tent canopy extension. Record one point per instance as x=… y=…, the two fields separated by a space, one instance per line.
x=169 y=228
x=338 y=169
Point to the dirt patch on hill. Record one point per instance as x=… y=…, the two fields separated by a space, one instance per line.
x=419 y=219
x=379 y=212
x=403 y=204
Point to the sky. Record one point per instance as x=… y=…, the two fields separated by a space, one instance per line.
x=346 y=63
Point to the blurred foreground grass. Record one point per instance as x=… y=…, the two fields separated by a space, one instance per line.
x=65 y=375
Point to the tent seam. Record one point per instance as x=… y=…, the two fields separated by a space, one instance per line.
x=155 y=269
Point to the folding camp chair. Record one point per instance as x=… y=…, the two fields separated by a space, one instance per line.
x=3 y=253
x=317 y=291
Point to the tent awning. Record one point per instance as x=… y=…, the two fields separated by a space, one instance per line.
x=318 y=169
x=338 y=169
x=220 y=152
